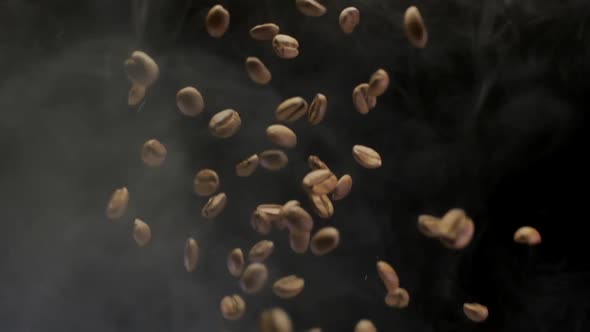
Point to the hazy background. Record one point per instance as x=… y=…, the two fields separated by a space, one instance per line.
x=491 y=117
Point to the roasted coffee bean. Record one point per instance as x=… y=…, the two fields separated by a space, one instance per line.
x=366 y=157
x=191 y=254
x=281 y=136
x=310 y=8
x=282 y=221
x=235 y=262
x=349 y=18
x=388 y=276
x=141 y=69
x=254 y=278
x=153 y=153
x=117 y=205
x=299 y=241
x=190 y=101
x=297 y=219
x=378 y=83
x=261 y=222
x=273 y=160
x=317 y=109
x=476 y=312
x=324 y=241
x=320 y=182
x=225 y=124
x=141 y=232
x=527 y=235
x=285 y=47
x=261 y=251
x=456 y=229
x=266 y=31
x=291 y=109
x=288 y=287
x=316 y=163
x=217 y=21
x=248 y=166
x=257 y=70
x=361 y=100
x=214 y=206
x=136 y=95
x=232 y=307
x=275 y=320
x=322 y=205
x=365 y=325
x=415 y=29
x=343 y=187
x=272 y=210
x=429 y=225
x=398 y=298
x=206 y=182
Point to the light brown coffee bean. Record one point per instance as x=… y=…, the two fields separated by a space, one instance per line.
x=232 y=307
x=285 y=47
x=206 y=182
x=320 y=182
x=365 y=325
x=281 y=223
x=136 y=95
x=366 y=157
x=261 y=222
x=361 y=100
x=317 y=109
x=310 y=8
x=322 y=205
x=527 y=235
x=117 y=205
x=153 y=153
x=299 y=241
x=315 y=163
x=275 y=320
x=190 y=101
x=214 y=206
x=257 y=70
x=191 y=254
x=291 y=109
x=388 y=276
x=141 y=69
x=398 y=298
x=272 y=210
x=349 y=18
x=142 y=234
x=235 y=262
x=288 y=287
x=254 y=278
x=378 y=83
x=415 y=29
x=343 y=187
x=273 y=160
x=281 y=136
x=261 y=251
x=429 y=225
x=475 y=312
x=248 y=166
x=217 y=21
x=266 y=31
x=324 y=241
x=456 y=229
x=225 y=124
x=297 y=219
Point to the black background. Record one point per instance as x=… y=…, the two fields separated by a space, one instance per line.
x=490 y=117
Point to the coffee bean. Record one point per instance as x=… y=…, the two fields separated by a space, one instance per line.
x=248 y=166
x=429 y=225
x=254 y=278
x=363 y=103
x=343 y=187
x=266 y=31
x=141 y=69
x=320 y=182
x=349 y=18
x=288 y=287
x=282 y=221
x=324 y=241
x=136 y=95
x=317 y=109
x=475 y=312
x=153 y=153
x=291 y=109
x=365 y=325
x=117 y=205
x=285 y=47
x=378 y=83
x=527 y=235
x=456 y=229
x=299 y=241
x=261 y=222
x=232 y=307
x=388 y=276
x=217 y=21
x=190 y=101
x=225 y=124
x=310 y=8
x=272 y=210
x=315 y=163
x=206 y=182
x=214 y=206
x=415 y=29
x=257 y=71
x=191 y=254
x=275 y=320
x=398 y=298
x=142 y=233
x=366 y=157
x=281 y=136
x=273 y=160
x=235 y=262
x=261 y=251
x=322 y=206
x=297 y=219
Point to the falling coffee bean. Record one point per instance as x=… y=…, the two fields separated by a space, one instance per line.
x=281 y=136
x=117 y=205
x=232 y=307
x=206 y=182
x=349 y=18
x=388 y=276
x=299 y=241
x=225 y=124
x=191 y=254
x=361 y=100
x=291 y=109
x=475 y=312
x=214 y=206
x=365 y=325
x=324 y=241
x=266 y=31
x=248 y=166
x=322 y=205
x=527 y=235
x=190 y=101
x=141 y=69
x=378 y=83
x=343 y=187
x=141 y=232
x=273 y=160
x=285 y=47
x=320 y=182
x=217 y=21
x=317 y=109
x=310 y=8
x=315 y=163
x=235 y=262
x=275 y=320
x=257 y=71
x=288 y=287
x=254 y=278
x=415 y=29
x=398 y=298
x=261 y=251
x=153 y=153
x=366 y=157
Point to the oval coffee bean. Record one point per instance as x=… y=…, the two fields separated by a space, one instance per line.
x=273 y=160
x=297 y=219
x=275 y=320
x=225 y=124
x=191 y=254
x=310 y=8
x=378 y=83
x=257 y=70
x=214 y=206
x=527 y=235
x=456 y=229
x=388 y=276
x=142 y=234
x=261 y=251
x=235 y=262
x=315 y=163
x=324 y=241
x=136 y=95
x=232 y=307
x=281 y=136
x=299 y=241
x=117 y=205
x=261 y=222
x=317 y=109
x=282 y=221
x=248 y=166
x=320 y=182
x=475 y=312
x=153 y=153
x=362 y=102
x=322 y=206
x=398 y=298
x=206 y=182
x=291 y=109
x=266 y=31
x=285 y=47
x=254 y=278
x=349 y=18
x=366 y=157
x=288 y=287
x=343 y=187
x=217 y=21
x=142 y=69
x=190 y=101
x=272 y=210
x=415 y=29
x=365 y=325
x=429 y=225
